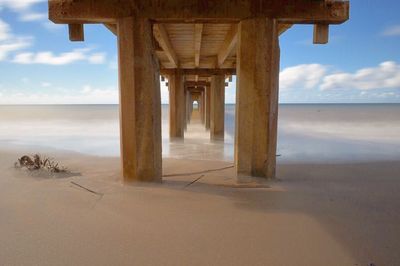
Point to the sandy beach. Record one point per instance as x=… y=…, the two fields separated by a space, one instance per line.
x=314 y=214
x=199 y=132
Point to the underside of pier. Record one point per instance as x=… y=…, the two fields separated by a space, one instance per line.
x=197 y=45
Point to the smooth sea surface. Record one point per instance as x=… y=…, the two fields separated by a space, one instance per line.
x=307 y=132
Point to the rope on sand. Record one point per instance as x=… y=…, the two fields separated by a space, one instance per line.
x=194 y=181
x=87 y=189
x=200 y=172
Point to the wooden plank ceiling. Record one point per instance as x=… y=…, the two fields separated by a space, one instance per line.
x=194 y=46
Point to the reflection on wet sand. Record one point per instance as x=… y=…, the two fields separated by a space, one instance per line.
x=197 y=144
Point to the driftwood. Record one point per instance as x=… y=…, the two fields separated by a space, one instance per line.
x=36 y=162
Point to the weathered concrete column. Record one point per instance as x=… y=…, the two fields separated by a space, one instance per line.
x=185 y=122
x=208 y=102
x=140 y=101
x=217 y=124
x=189 y=106
x=203 y=107
x=176 y=105
x=199 y=106
x=192 y=99
x=257 y=97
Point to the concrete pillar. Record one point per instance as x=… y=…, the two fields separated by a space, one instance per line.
x=140 y=101
x=203 y=107
x=208 y=109
x=185 y=108
x=257 y=97
x=192 y=105
x=217 y=124
x=192 y=99
x=189 y=105
x=176 y=105
x=200 y=106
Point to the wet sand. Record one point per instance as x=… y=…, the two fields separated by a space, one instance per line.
x=314 y=214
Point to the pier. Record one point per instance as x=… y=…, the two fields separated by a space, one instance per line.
x=197 y=45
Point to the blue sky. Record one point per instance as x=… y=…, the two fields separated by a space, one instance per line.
x=39 y=65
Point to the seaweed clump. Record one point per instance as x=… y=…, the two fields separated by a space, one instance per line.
x=37 y=162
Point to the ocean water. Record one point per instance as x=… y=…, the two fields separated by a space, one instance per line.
x=306 y=132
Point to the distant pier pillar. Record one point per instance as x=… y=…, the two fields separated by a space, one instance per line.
x=199 y=106
x=217 y=114
x=203 y=107
x=208 y=102
x=140 y=101
x=176 y=105
x=257 y=97
x=185 y=110
x=189 y=106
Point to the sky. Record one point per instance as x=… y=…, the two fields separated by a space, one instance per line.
x=39 y=65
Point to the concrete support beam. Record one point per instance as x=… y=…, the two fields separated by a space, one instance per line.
x=208 y=109
x=140 y=101
x=321 y=33
x=197 y=83
x=176 y=105
x=112 y=28
x=201 y=71
x=161 y=35
x=217 y=123
x=257 y=97
x=284 y=27
x=228 y=45
x=198 y=34
x=195 y=11
x=76 y=32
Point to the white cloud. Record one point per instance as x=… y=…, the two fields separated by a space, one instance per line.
x=302 y=76
x=10 y=43
x=97 y=58
x=48 y=58
x=14 y=45
x=384 y=76
x=392 y=31
x=88 y=95
x=114 y=63
x=26 y=17
x=18 y=5
x=5 y=31
x=23 y=9
x=378 y=94
x=96 y=95
x=388 y=95
x=320 y=77
x=45 y=84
